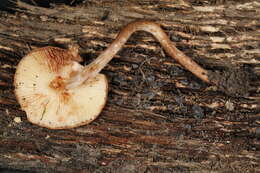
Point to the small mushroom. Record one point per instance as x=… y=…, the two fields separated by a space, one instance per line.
x=57 y=92
x=40 y=88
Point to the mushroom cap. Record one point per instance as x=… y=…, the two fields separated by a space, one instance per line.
x=40 y=81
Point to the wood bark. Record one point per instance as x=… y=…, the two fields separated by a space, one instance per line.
x=158 y=117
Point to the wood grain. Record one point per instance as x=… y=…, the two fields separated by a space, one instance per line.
x=159 y=117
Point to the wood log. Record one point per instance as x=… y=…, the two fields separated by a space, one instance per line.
x=158 y=117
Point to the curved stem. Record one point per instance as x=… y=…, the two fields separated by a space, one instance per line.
x=101 y=61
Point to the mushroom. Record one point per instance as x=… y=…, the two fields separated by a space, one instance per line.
x=57 y=92
x=40 y=82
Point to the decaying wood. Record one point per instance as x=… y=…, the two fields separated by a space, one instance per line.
x=159 y=117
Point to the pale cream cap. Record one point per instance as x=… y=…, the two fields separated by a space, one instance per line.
x=40 y=89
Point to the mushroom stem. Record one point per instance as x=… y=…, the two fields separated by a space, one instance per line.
x=101 y=61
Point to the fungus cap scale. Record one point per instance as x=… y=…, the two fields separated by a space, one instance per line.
x=42 y=95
